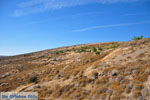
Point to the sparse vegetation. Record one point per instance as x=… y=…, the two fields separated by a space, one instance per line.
x=96 y=50
x=112 y=46
x=32 y=79
x=49 y=57
x=138 y=37
x=83 y=49
x=59 y=52
x=115 y=73
x=100 y=49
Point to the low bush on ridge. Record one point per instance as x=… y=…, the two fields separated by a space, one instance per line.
x=138 y=37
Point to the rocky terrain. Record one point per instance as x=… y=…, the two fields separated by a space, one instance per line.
x=2 y=57
x=100 y=71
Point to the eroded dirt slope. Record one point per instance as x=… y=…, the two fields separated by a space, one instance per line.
x=103 y=71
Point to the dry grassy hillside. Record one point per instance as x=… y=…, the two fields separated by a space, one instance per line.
x=101 y=71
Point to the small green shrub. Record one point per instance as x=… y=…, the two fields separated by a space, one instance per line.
x=114 y=45
x=59 y=52
x=100 y=49
x=49 y=57
x=82 y=49
x=32 y=79
x=96 y=51
x=138 y=37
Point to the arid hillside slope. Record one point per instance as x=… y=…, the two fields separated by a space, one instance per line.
x=100 y=71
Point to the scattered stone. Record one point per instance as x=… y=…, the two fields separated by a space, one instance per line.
x=6 y=75
x=37 y=86
x=4 y=84
x=145 y=92
x=101 y=74
x=140 y=98
x=112 y=79
x=128 y=72
x=102 y=90
x=119 y=78
x=129 y=88
x=58 y=76
x=95 y=75
x=129 y=77
x=91 y=81
x=114 y=73
x=135 y=72
x=109 y=91
x=148 y=71
x=80 y=74
x=55 y=59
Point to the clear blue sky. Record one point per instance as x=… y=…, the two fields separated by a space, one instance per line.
x=33 y=25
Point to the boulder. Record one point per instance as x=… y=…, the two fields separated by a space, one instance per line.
x=114 y=73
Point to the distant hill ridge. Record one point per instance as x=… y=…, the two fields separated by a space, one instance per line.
x=97 y=71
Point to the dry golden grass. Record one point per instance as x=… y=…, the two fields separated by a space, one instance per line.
x=67 y=74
